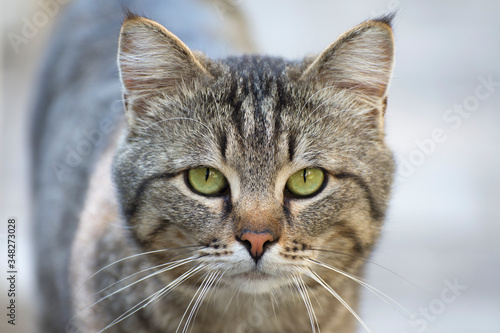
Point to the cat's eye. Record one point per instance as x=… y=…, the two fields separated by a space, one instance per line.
x=306 y=182
x=207 y=181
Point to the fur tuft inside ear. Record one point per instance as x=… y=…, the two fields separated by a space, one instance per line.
x=361 y=61
x=152 y=60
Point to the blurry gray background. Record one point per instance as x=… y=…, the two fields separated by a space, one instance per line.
x=441 y=239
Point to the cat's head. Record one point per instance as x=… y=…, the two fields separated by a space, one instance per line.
x=258 y=168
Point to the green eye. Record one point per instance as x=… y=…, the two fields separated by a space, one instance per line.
x=305 y=182
x=207 y=181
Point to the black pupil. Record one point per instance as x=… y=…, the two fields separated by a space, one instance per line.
x=207 y=173
x=304 y=174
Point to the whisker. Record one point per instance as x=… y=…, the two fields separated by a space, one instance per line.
x=200 y=293
x=274 y=302
x=171 y=286
x=229 y=303
x=306 y=291
x=383 y=296
x=150 y=299
x=215 y=289
x=174 y=264
x=127 y=258
x=319 y=280
x=142 y=254
x=205 y=277
x=316 y=298
x=372 y=263
x=213 y=284
x=163 y=270
x=299 y=283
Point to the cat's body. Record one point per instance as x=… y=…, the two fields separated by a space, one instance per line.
x=262 y=252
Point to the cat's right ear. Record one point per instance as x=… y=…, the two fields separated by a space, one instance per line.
x=153 y=61
x=360 y=61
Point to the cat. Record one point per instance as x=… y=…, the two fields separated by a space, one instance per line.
x=239 y=194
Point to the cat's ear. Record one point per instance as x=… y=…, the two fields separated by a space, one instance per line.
x=360 y=61
x=153 y=61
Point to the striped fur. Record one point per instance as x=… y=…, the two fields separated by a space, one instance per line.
x=258 y=120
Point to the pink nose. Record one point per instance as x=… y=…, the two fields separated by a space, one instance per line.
x=257 y=242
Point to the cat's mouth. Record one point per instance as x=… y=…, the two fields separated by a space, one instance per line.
x=255 y=282
x=254 y=275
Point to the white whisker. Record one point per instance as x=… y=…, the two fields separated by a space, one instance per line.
x=148 y=300
x=177 y=282
x=199 y=295
x=212 y=284
x=170 y=265
x=182 y=262
x=215 y=288
x=274 y=302
x=137 y=255
x=383 y=296
x=373 y=263
x=319 y=280
x=229 y=303
x=299 y=283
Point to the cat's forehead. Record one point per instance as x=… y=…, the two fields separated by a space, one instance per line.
x=256 y=67
x=256 y=95
x=256 y=99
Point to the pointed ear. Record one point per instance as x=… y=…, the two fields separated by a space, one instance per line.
x=153 y=61
x=361 y=61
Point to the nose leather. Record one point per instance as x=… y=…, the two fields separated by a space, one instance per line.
x=257 y=242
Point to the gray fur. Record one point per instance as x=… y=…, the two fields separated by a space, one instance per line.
x=256 y=119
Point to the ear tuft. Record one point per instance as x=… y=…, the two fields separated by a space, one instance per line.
x=386 y=19
x=128 y=14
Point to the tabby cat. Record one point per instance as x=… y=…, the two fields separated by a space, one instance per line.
x=241 y=195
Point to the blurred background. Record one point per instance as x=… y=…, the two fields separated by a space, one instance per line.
x=440 y=249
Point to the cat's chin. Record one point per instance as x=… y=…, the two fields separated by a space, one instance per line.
x=256 y=282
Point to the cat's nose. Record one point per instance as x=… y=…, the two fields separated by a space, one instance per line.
x=256 y=242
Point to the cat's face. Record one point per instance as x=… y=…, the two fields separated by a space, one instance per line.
x=258 y=170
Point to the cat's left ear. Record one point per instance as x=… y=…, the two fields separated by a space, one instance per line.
x=360 y=61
